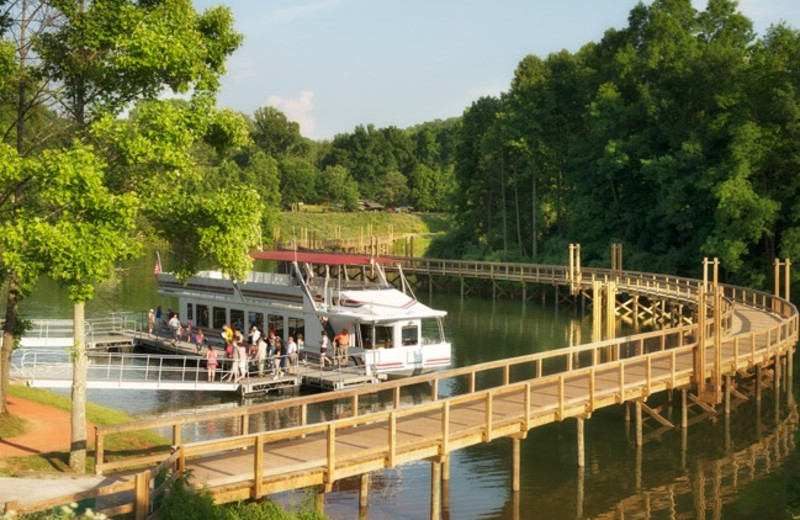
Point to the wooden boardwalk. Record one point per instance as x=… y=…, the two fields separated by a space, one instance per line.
x=732 y=333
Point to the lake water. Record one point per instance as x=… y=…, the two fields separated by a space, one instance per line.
x=746 y=466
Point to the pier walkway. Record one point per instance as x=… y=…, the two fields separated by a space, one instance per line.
x=48 y=368
x=714 y=336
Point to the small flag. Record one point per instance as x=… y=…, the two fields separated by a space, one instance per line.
x=157 y=268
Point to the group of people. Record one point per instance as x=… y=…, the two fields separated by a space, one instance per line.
x=179 y=331
x=268 y=353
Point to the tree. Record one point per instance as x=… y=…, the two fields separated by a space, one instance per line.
x=298 y=180
x=276 y=135
x=339 y=187
x=80 y=231
x=104 y=55
x=393 y=189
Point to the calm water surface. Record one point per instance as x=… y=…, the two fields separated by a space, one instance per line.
x=745 y=467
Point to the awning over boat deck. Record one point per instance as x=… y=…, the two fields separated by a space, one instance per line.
x=321 y=258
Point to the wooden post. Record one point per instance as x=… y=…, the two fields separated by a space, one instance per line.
x=436 y=489
x=176 y=434
x=99 y=449
x=581 y=444
x=319 y=502
x=330 y=476
x=141 y=505
x=727 y=395
x=717 y=342
x=638 y=418
x=571 y=266
x=611 y=311
x=684 y=410
x=363 y=494
x=758 y=384
x=787 y=293
x=515 y=463
x=700 y=350
x=446 y=484
x=777 y=384
x=258 y=468
x=597 y=315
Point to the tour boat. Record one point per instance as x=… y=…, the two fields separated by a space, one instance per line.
x=390 y=332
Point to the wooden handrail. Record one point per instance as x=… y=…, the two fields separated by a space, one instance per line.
x=664 y=286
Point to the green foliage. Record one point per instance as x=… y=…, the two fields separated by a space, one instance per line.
x=338 y=187
x=298 y=180
x=268 y=510
x=393 y=188
x=81 y=229
x=274 y=134
x=184 y=502
x=676 y=136
x=109 y=53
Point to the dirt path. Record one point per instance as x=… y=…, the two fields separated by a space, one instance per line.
x=48 y=429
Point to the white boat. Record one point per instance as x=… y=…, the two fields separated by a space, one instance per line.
x=390 y=332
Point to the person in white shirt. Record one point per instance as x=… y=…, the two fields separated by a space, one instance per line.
x=291 y=352
x=261 y=355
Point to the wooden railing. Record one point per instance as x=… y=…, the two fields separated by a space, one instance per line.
x=134 y=495
x=537 y=365
x=498 y=376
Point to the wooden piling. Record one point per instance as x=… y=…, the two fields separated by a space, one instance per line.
x=581 y=444
x=515 y=464
x=638 y=418
x=684 y=410
x=436 y=489
x=363 y=494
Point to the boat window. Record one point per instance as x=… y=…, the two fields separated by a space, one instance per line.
x=366 y=335
x=297 y=326
x=189 y=311
x=383 y=337
x=202 y=316
x=276 y=325
x=410 y=335
x=257 y=319
x=220 y=317
x=237 y=319
x=432 y=331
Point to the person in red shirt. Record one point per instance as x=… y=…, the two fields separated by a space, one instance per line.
x=341 y=342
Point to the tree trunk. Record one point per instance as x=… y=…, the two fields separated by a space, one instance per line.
x=80 y=366
x=517 y=216
x=534 y=226
x=505 y=208
x=12 y=312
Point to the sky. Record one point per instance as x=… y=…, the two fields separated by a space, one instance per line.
x=331 y=65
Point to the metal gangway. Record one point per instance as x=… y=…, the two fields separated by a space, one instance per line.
x=53 y=368
x=98 y=331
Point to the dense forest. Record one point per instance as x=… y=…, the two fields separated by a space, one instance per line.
x=676 y=136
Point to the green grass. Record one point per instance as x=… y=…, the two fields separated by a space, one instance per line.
x=347 y=225
x=11 y=426
x=122 y=443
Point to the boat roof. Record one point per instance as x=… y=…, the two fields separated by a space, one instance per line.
x=321 y=258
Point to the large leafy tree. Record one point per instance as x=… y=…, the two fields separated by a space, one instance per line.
x=103 y=56
x=276 y=135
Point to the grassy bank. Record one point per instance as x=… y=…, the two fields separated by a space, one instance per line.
x=326 y=225
x=59 y=461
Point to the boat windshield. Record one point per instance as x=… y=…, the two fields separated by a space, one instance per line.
x=432 y=331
